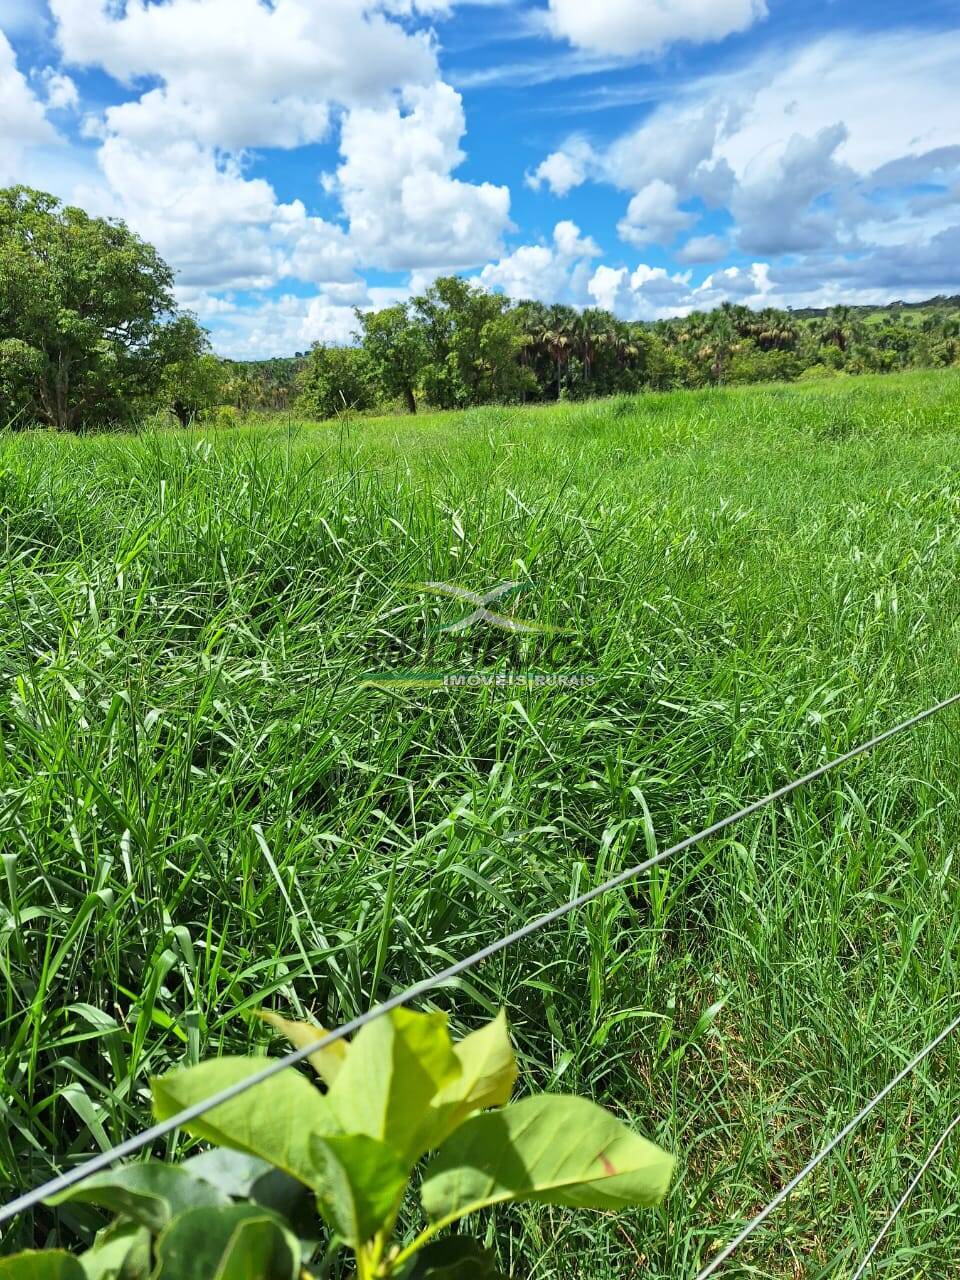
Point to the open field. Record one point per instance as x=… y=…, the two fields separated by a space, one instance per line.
x=204 y=808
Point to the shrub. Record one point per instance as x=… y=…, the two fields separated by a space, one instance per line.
x=814 y=371
x=336 y=381
x=753 y=365
x=400 y=1090
x=225 y=415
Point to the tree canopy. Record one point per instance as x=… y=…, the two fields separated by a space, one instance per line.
x=336 y=381
x=395 y=346
x=89 y=331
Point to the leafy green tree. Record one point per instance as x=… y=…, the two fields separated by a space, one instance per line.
x=441 y=312
x=502 y=377
x=666 y=367
x=472 y=356
x=192 y=380
x=751 y=364
x=21 y=371
x=396 y=349
x=335 y=381
x=88 y=300
x=263 y=386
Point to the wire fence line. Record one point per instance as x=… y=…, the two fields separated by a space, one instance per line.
x=911 y=1187
x=146 y=1137
x=822 y=1154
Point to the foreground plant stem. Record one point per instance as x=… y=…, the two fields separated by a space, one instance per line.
x=370 y=1256
x=425 y=1237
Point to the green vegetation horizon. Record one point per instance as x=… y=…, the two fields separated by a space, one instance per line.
x=91 y=339
x=206 y=810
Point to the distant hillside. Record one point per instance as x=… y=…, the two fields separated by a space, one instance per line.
x=939 y=303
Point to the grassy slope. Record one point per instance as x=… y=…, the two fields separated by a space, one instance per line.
x=202 y=809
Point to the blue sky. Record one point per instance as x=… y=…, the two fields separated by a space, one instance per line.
x=294 y=159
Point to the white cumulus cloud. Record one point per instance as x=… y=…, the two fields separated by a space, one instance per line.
x=59 y=90
x=654 y=216
x=226 y=76
x=220 y=228
x=237 y=73
x=264 y=327
x=23 y=121
x=798 y=147
x=631 y=27
x=709 y=248
x=563 y=170
x=395 y=184
x=545 y=272
x=653 y=293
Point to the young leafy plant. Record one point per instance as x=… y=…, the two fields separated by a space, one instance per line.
x=398 y=1092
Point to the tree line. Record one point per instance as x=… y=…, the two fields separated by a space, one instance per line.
x=458 y=345
x=90 y=336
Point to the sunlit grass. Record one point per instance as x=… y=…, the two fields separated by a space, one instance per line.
x=203 y=809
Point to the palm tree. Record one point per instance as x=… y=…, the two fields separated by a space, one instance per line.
x=771 y=330
x=593 y=332
x=722 y=339
x=624 y=344
x=558 y=345
x=558 y=338
x=840 y=328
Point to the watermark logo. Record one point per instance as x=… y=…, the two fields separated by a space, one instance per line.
x=482 y=613
x=517 y=680
x=489 y=609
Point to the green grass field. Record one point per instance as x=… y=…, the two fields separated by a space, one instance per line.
x=204 y=807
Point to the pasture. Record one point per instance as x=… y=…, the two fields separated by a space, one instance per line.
x=207 y=807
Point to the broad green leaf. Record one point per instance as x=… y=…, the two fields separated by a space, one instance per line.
x=488 y=1074
x=260 y=1250
x=239 y=1242
x=547 y=1149
x=396 y=1066
x=274 y=1120
x=458 y=1258
x=489 y=1067
x=37 y=1264
x=232 y=1172
x=120 y=1252
x=362 y=1183
x=325 y=1062
x=291 y=1200
x=250 y=1178
x=151 y=1193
